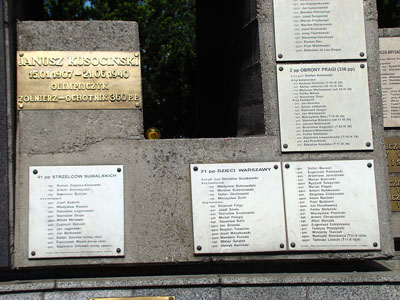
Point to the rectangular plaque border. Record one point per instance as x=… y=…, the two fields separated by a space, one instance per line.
x=288 y=247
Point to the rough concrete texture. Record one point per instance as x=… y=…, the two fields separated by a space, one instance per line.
x=382 y=286
x=68 y=129
x=78 y=36
x=86 y=294
x=158 y=216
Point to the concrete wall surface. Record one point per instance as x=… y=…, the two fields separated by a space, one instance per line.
x=382 y=286
x=158 y=212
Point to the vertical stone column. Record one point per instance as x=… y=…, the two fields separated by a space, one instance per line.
x=52 y=132
x=55 y=131
x=4 y=152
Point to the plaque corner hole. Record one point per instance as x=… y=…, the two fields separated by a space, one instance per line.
x=35 y=172
x=198 y=248
x=195 y=168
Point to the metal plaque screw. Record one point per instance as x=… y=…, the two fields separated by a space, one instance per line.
x=195 y=169
x=293 y=245
x=171 y=298
x=137 y=104
x=21 y=54
x=280 y=55
x=285 y=146
x=280 y=68
x=118 y=250
x=362 y=54
x=33 y=253
x=35 y=171
x=368 y=144
x=362 y=66
x=199 y=248
x=282 y=246
x=276 y=167
x=375 y=244
x=21 y=106
x=287 y=166
x=369 y=165
x=119 y=170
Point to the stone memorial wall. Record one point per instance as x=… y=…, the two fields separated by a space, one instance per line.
x=313 y=187
x=92 y=196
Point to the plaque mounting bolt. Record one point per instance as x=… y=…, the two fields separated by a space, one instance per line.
x=285 y=146
x=293 y=245
x=33 y=253
x=280 y=55
x=35 y=171
x=282 y=246
x=21 y=106
x=195 y=169
x=369 y=165
x=362 y=66
x=276 y=167
x=171 y=298
x=119 y=170
x=118 y=250
x=280 y=68
x=21 y=54
x=368 y=144
x=137 y=104
x=375 y=244
x=362 y=54
x=287 y=166
x=199 y=248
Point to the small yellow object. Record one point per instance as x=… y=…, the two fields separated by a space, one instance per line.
x=21 y=106
x=153 y=133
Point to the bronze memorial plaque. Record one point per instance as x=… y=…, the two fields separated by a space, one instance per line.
x=394 y=183
x=78 y=80
x=392 y=145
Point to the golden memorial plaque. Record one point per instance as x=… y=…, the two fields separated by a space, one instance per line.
x=136 y=298
x=78 y=80
x=392 y=145
x=394 y=184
